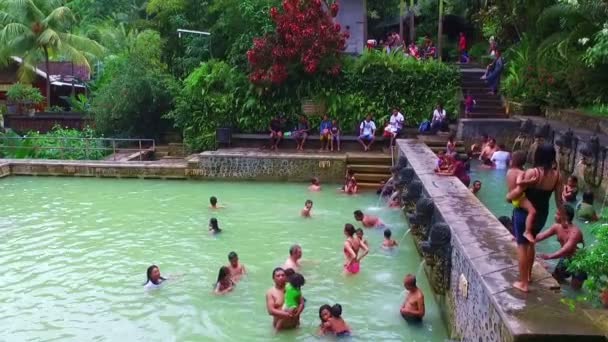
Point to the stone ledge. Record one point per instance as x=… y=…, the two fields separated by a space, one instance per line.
x=270 y=155
x=485 y=255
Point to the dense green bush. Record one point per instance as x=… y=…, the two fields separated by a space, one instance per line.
x=135 y=91
x=59 y=143
x=218 y=95
x=593 y=261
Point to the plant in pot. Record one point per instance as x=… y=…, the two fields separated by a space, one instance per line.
x=593 y=261
x=23 y=98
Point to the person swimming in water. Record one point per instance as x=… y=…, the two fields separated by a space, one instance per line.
x=307 y=209
x=293 y=261
x=412 y=309
x=154 y=279
x=388 y=243
x=368 y=221
x=237 y=270
x=315 y=185
x=214 y=227
x=213 y=203
x=224 y=283
x=335 y=323
x=324 y=316
x=352 y=245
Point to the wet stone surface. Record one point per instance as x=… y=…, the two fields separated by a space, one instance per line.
x=483 y=303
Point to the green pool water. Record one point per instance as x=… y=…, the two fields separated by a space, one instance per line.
x=74 y=254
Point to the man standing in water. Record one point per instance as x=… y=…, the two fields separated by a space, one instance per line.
x=569 y=236
x=293 y=262
x=275 y=298
x=412 y=309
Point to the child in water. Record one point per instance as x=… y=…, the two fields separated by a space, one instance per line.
x=293 y=293
x=388 y=243
x=214 y=227
x=359 y=233
x=307 y=209
x=515 y=180
x=570 y=190
x=224 y=282
x=213 y=203
x=315 y=185
x=335 y=324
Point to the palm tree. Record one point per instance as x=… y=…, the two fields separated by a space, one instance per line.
x=37 y=30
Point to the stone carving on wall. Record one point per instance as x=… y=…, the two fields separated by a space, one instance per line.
x=411 y=195
x=437 y=253
x=420 y=221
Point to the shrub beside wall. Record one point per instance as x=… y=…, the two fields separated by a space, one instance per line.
x=217 y=95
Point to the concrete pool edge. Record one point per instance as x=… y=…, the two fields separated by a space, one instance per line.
x=207 y=166
x=481 y=303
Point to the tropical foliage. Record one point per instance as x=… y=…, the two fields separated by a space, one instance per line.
x=593 y=261
x=59 y=143
x=37 y=30
x=219 y=95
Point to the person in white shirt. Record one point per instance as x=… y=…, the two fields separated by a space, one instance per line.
x=501 y=158
x=367 y=131
x=439 y=118
x=154 y=280
x=394 y=126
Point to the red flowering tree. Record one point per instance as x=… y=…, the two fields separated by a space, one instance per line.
x=306 y=40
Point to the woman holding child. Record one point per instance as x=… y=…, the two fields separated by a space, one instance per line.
x=538 y=184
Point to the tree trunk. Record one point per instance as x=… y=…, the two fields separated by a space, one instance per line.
x=440 y=32
x=48 y=77
x=401 y=3
x=412 y=18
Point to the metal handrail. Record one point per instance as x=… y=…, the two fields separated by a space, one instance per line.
x=87 y=141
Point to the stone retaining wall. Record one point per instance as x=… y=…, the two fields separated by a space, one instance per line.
x=265 y=166
x=5 y=169
x=470 y=130
x=29 y=167
x=577 y=119
x=473 y=271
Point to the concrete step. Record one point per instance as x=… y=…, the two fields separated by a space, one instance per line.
x=372 y=177
x=368 y=158
x=476 y=115
x=368 y=185
x=368 y=168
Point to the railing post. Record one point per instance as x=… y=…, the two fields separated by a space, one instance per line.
x=140 y=151
x=86 y=148
x=114 y=149
x=61 y=147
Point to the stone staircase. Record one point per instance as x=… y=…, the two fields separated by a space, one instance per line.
x=488 y=106
x=370 y=168
x=438 y=143
x=170 y=151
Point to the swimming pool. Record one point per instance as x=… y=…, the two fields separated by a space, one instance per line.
x=75 y=251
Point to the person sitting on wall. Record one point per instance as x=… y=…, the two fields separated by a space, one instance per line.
x=457 y=169
x=325 y=133
x=367 y=132
x=301 y=132
x=394 y=127
x=412 y=309
x=440 y=119
x=276 y=132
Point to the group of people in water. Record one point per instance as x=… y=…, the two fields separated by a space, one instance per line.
x=529 y=191
x=285 y=301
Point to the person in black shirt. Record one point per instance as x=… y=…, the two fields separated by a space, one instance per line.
x=276 y=133
x=301 y=132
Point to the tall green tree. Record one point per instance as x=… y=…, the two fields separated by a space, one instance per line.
x=36 y=30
